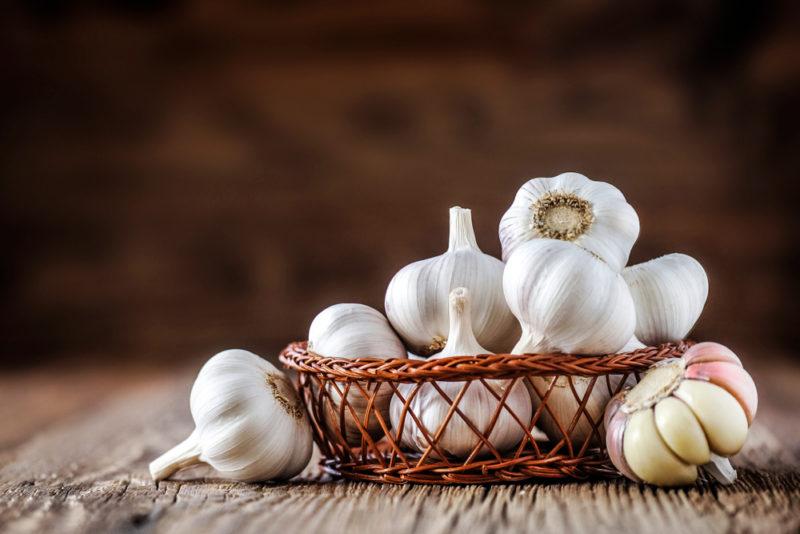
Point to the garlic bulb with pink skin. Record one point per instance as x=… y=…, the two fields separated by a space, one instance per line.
x=683 y=414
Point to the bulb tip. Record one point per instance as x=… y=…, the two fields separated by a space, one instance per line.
x=459 y=296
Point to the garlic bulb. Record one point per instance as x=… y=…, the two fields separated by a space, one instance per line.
x=417 y=296
x=250 y=423
x=355 y=331
x=682 y=413
x=478 y=404
x=566 y=300
x=571 y=207
x=563 y=406
x=669 y=293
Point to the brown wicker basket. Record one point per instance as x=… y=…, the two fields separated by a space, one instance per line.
x=357 y=440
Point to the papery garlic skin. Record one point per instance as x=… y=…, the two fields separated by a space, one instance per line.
x=669 y=293
x=355 y=331
x=566 y=300
x=417 y=297
x=250 y=423
x=571 y=207
x=675 y=419
x=477 y=404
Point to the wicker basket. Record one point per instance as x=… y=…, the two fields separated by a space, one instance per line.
x=357 y=440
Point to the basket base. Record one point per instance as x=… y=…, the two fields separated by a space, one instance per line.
x=594 y=464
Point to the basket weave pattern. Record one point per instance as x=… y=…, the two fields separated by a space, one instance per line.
x=346 y=400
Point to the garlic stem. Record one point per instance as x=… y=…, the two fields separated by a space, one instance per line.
x=462 y=340
x=462 y=235
x=182 y=455
x=721 y=469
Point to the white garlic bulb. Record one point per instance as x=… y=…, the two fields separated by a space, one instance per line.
x=563 y=406
x=477 y=404
x=571 y=207
x=355 y=331
x=417 y=296
x=250 y=423
x=669 y=293
x=567 y=300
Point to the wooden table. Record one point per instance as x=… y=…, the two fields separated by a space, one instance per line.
x=75 y=444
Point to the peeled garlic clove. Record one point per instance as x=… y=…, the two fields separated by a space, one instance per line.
x=721 y=416
x=669 y=293
x=571 y=207
x=708 y=351
x=681 y=431
x=733 y=379
x=250 y=423
x=355 y=331
x=567 y=300
x=417 y=297
x=649 y=457
x=477 y=404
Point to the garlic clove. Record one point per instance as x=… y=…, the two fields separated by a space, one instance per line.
x=680 y=430
x=719 y=413
x=570 y=207
x=669 y=293
x=614 y=422
x=351 y=330
x=417 y=297
x=250 y=423
x=649 y=457
x=567 y=300
x=708 y=351
x=733 y=379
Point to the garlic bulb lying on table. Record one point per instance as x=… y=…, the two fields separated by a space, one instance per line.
x=571 y=207
x=669 y=293
x=250 y=423
x=568 y=301
x=478 y=404
x=417 y=296
x=355 y=331
x=682 y=413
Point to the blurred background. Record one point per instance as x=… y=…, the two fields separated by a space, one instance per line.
x=184 y=177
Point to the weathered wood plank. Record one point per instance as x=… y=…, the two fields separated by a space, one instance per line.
x=89 y=473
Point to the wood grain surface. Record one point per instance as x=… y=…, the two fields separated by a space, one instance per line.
x=74 y=451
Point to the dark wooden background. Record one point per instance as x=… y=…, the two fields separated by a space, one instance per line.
x=183 y=177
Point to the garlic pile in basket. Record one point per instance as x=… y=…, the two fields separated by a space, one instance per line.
x=565 y=287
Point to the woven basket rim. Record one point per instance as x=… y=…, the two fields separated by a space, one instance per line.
x=297 y=356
